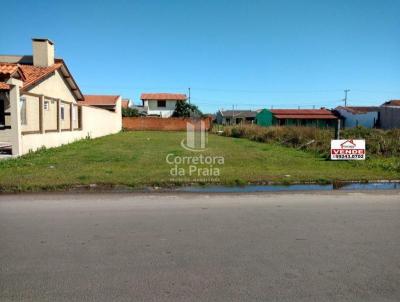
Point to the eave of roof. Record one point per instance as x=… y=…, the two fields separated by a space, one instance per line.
x=100 y=100
x=239 y=113
x=4 y=86
x=392 y=103
x=33 y=75
x=301 y=111
x=306 y=116
x=163 y=96
x=359 y=109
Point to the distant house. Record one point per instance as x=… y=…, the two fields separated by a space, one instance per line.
x=392 y=103
x=367 y=116
x=161 y=104
x=125 y=103
x=108 y=102
x=234 y=117
x=296 y=117
x=389 y=115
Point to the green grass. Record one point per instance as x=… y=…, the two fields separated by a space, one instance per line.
x=139 y=159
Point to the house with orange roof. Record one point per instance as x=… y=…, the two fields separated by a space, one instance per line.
x=108 y=102
x=125 y=103
x=297 y=117
x=41 y=104
x=161 y=104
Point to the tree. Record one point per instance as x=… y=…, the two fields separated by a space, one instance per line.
x=183 y=109
x=129 y=112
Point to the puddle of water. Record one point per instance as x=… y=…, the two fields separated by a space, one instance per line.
x=370 y=186
x=292 y=188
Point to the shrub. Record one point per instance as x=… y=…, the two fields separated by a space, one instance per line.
x=378 y=142
x=129 y=112
x=184 y=109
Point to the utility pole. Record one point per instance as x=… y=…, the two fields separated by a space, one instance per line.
x=345 y=97
x=189 y=95
x=233 y=115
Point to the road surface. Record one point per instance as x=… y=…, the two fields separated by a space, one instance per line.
x=187 y=247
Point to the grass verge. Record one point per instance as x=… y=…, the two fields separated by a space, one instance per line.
x=138 y=159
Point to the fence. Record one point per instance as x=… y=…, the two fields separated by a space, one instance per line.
x=160 y=124
x=93 y=122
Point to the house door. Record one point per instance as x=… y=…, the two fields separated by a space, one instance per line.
x=2 y=115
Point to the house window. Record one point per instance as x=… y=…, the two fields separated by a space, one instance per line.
x=161 y=104
x=22 y=105
x=62 y=111
x=46 y=105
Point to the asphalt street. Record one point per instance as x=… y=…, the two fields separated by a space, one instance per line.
x=204 y=247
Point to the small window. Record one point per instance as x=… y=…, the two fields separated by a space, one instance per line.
x=22 y=105
x=46 y=105
x=161 y=104
x=62 y=110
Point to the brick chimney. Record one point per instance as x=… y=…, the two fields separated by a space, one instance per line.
x=43 y=52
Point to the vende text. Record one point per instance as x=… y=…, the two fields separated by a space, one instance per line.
x=348 y=151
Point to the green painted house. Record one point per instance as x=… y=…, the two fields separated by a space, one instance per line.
x=297 y=117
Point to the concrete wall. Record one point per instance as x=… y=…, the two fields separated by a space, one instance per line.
x=50 y=115
x=156 y=123
x=367 y=120
x=32 y=113
x=66 y=121
x=96 y=122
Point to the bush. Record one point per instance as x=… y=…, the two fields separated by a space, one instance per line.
x=183 y=109
x=129 y=112
x=378 y=142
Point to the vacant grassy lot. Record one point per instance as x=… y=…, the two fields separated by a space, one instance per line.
x=139 y=159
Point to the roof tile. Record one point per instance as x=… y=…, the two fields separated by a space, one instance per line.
x=31 y=74
x=100 y=100
x=303 y=114
x=163 y=96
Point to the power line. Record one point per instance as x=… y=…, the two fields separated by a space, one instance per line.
x=232 y=90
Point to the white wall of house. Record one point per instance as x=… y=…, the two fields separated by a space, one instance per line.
x=367 y=119
x=55 y=87
x=96 y=122
x=154 y=109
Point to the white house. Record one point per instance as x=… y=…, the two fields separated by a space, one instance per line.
x=41 y=105
x=161 y=104
x=359 y=116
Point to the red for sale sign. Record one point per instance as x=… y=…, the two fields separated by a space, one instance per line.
x=348 y=149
